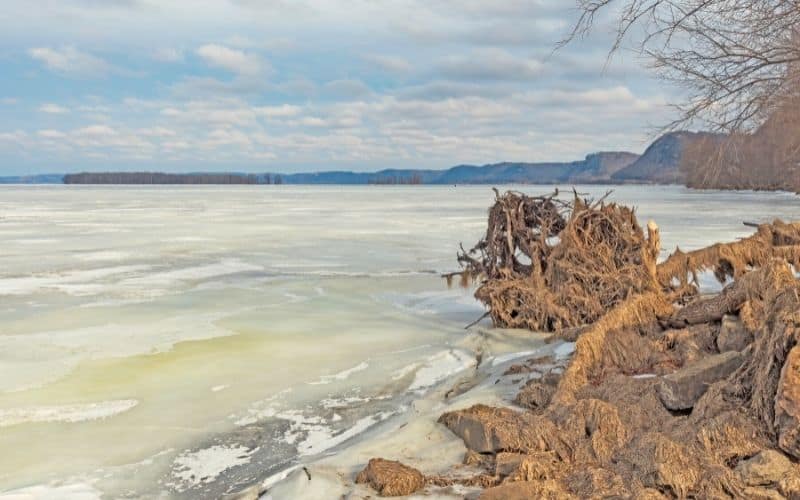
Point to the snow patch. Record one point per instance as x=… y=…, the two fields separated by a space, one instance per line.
x=441 y=366
x=78 y=491
x=343 y=375
x=194 y=468
x=65 y=413
x=564 y=350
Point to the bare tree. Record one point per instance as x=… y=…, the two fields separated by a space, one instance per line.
x=738 y=59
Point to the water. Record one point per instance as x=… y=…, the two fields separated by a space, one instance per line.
x=184 y=342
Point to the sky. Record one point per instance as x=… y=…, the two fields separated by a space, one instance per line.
x=311 y=85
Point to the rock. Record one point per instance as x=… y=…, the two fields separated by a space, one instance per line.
x=485 y=429
x=768 y=467
x=789 y=486
x=390 y=478
x=594 y=430
x=507 y=463
x=475 y=459
x=595 y=482
x=535 y=395
x=787 y=405
x=681 y=390
x=664 y=464
x=526 y=490
x=538 y=466
x=733 y=336
x=692 y=343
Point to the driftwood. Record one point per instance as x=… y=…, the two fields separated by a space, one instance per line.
x=551 y=265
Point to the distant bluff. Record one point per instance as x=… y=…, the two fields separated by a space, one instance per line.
x=660 y=163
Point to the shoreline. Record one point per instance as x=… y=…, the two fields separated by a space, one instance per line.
x=414 y=437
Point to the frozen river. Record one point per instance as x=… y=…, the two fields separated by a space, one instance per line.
x=184 y=342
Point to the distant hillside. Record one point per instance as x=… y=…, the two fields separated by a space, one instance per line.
x=595 y=168
x=660 y=163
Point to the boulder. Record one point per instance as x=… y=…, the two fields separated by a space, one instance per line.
x=538 y=466
x=733 y=336
x=787 y=405
x=768 y=467
x=681 y=390
x=390 y=478
x=526 y=490
x=664 y=464
x=486 y=429
x=507 y=463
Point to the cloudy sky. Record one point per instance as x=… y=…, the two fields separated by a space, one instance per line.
x=302 y=85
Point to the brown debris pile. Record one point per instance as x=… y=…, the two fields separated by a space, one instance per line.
x=667 y=395
x=546 y=264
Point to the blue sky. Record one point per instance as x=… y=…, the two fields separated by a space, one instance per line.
x=304 y=85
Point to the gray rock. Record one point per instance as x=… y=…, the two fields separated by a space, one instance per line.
x=507 y=463
x=682 y=389
x=768 y=467
x=733 y=336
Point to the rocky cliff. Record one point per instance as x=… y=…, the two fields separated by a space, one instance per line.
x=660 y=163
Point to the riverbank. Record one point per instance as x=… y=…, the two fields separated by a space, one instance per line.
x=415 y=437
x=669 y=394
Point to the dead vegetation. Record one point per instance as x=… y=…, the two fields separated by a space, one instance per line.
x=668 y=394
x=547 y=265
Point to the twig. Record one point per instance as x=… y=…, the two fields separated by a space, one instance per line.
x=476 y=321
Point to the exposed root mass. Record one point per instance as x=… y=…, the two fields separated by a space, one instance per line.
x=548 y=265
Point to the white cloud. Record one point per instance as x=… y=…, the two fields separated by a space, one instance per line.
x=95 y=131
x=282 y=111
x=17 y=137
x=392 y=64
x=53 y=109
x=235 y=61
x=491 y=64
x=157 y=132
x=70 y=61
x=8 y=101
x=348 y=88
x=168 y=55
x=51 y=134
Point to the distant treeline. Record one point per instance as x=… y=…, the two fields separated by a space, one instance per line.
x=162 y=178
